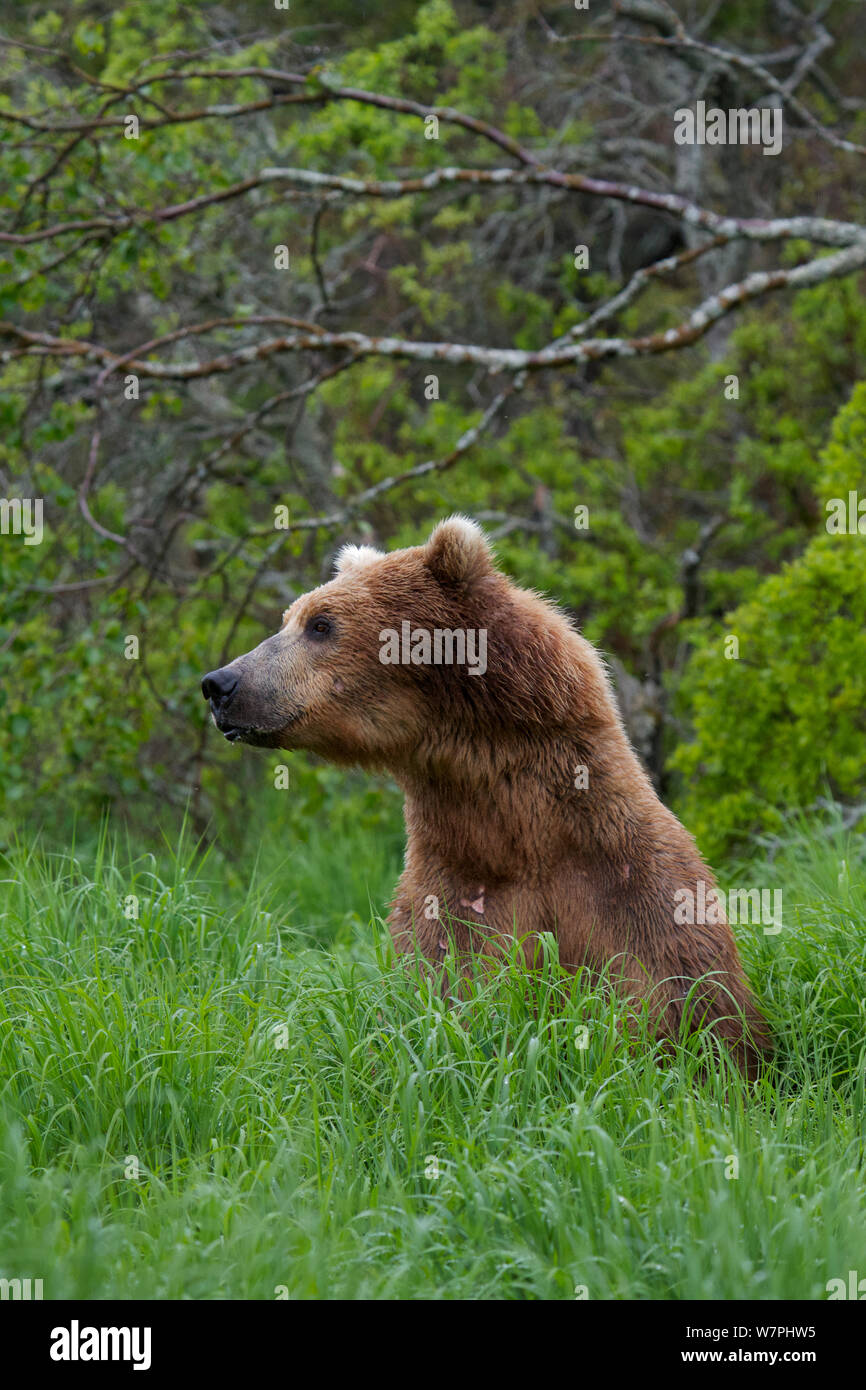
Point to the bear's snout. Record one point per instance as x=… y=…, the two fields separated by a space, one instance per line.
x=219 y=687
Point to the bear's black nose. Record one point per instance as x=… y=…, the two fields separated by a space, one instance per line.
x=219 y=686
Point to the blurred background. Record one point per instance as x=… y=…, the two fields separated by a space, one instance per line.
x=187 y=504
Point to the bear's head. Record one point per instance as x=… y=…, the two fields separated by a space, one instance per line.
x=400 y=656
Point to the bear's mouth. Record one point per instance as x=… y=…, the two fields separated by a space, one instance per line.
x=234 y=733
x=254 y=734
x=241 y=733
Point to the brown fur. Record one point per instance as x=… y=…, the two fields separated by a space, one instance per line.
x=498 y=833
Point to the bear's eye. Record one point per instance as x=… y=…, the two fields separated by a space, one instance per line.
x=319 y=628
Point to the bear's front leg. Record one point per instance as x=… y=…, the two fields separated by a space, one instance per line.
x=470 y=919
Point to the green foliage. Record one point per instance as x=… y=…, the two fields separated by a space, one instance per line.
x=788 y=717
x=653 y=448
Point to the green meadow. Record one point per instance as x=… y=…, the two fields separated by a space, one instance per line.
x=236 y=1094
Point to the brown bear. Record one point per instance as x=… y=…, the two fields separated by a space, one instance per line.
x=526 y=808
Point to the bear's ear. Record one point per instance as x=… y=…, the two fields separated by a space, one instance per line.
x=353 y=557
x=457 y=551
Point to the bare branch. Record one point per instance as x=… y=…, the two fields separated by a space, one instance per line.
x=560 y=354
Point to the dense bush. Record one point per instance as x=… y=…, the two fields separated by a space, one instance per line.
x=786 y=718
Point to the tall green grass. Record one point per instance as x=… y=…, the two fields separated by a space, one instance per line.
x=236 y=1094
